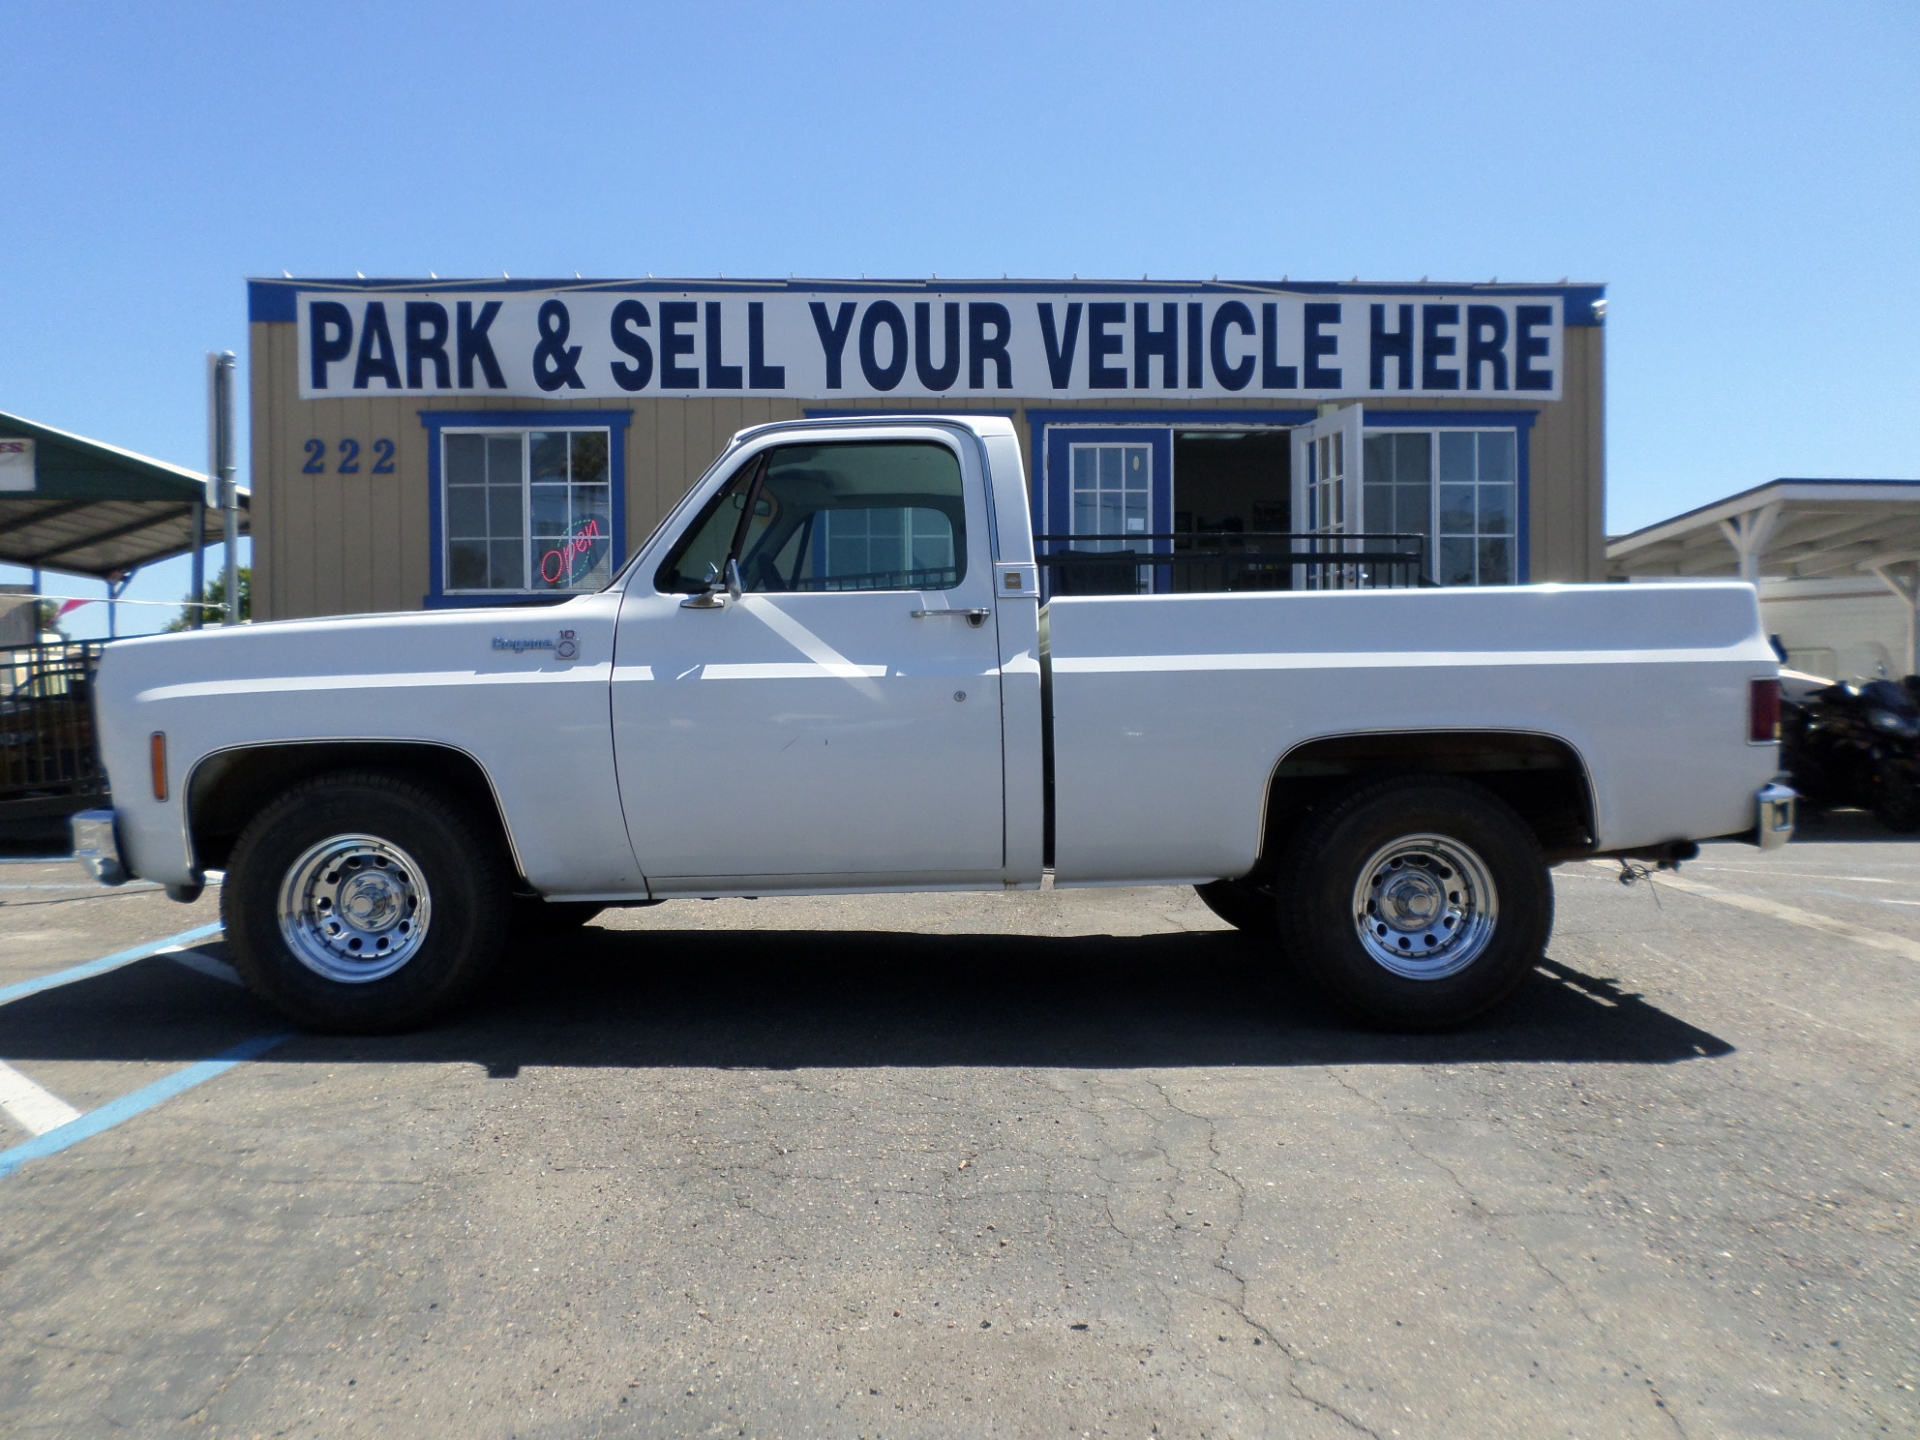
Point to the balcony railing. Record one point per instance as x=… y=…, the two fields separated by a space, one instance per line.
x=1188 y=563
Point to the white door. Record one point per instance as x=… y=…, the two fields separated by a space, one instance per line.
x=1327 y=462
x=838 y=721
x=1113 y=499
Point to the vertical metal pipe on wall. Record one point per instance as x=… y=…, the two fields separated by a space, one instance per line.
x=196 y=616
x=221 y=483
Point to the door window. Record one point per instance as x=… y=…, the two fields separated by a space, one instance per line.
x=1112 y=494
x=877 y=515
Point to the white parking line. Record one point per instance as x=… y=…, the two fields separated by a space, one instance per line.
x=1794 y=915
x=33 y=1107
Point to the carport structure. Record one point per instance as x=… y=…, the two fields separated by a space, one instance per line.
x=1790 y=529
x=84 y=507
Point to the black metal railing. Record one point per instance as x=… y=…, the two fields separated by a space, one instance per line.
x=1225 y=561
x=49 y=755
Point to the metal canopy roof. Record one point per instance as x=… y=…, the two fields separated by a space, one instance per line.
x=1796 y=529
x=96 y=509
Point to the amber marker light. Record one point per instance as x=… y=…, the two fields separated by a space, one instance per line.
x=158 y=747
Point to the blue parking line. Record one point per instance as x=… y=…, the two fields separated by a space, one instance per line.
x=101 y=966
x=143 y=1099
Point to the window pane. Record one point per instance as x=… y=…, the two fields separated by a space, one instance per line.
x=590 y=457
x=1456 y=562
x=547 y=450
x=884 y=517
x=1379 y=452
x=1085 y=458
x=1456 y=509
x=466 y=460
x=1109 y=465
x=467 y=565
x=702 y=555
x=1378 y=509
x=466 y=511
x=1496 y=509
x=503 y=459
x=1496 y=454
x=1456 y=456
x=550 y=511
x=507 y=567
x=1494 y=567
x=1413 y=459
x=1413 y=510
x=503 y=511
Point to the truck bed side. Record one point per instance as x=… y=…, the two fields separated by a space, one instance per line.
x=1171 y=713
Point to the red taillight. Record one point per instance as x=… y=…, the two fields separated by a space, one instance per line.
x=1763 y=711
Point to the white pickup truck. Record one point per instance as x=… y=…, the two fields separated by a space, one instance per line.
x=831 y=670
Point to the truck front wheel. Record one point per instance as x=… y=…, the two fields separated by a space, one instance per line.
x=363 y=904
x=1415 y=902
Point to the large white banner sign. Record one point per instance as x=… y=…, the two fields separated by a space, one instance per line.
x=845 y=345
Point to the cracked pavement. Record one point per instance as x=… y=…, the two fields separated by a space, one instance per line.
x=1075 y=1163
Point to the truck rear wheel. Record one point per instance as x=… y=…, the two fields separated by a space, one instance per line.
x=1415 y=902
x=363 y=904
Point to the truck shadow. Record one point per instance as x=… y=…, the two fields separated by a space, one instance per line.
x=786 y=999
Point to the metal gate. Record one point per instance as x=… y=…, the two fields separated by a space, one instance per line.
x=49 y=755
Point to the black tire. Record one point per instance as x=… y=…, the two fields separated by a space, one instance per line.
x=1896 y=798
x=462 y=881
x=1372 y=835
x=1244 y=904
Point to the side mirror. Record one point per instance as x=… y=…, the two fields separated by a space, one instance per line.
x=720 y=589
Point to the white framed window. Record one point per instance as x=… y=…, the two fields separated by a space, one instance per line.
x=526 y=511
x=1112 y=494
x=1459 y=488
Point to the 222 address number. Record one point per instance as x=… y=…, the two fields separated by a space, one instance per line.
x=349 y=461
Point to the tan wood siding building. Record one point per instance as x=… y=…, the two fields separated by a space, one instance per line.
x=328 y=542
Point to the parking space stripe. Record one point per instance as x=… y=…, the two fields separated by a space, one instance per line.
x=101 y=966
x=145 y=1098
x=32 y=1106
x=1794 y=915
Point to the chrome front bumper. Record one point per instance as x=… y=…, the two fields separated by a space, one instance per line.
x=1773 y=818
x=96 y=846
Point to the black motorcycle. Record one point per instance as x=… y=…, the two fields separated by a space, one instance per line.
x=1856 y=745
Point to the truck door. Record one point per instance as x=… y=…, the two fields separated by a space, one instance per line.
x=838 y=719
x=1327 y=458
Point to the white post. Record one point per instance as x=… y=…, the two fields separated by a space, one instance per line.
x=1748 y=534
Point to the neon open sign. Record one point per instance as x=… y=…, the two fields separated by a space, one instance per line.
x=573 y=559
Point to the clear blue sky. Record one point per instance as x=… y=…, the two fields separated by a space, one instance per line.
x=1745 y=178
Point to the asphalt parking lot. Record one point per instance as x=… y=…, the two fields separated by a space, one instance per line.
x=1073 y=1163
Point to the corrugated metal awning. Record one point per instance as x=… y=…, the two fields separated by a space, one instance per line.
x=1785 y=528
x=89 y=508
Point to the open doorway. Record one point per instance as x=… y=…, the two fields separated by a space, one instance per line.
x=1232 y=482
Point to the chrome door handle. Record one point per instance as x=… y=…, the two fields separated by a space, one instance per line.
x=975 y=617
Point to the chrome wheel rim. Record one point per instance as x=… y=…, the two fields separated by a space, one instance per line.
x=1424 y=907
x=354 y=908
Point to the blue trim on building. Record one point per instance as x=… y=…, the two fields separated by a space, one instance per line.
x=435 y=421
x=271 y=300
